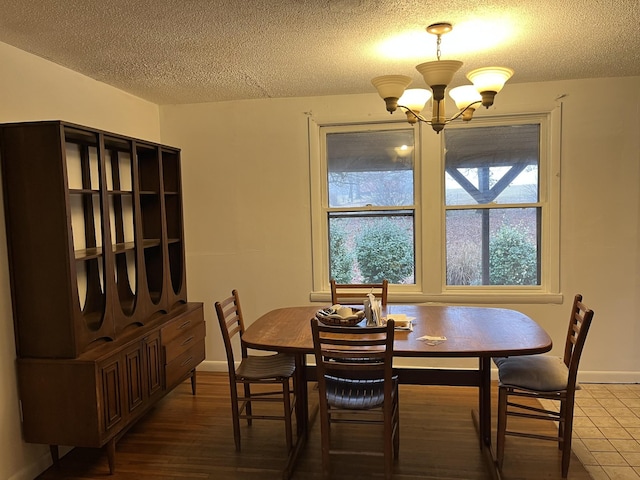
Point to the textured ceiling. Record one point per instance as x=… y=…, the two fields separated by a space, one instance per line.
x=189 y=51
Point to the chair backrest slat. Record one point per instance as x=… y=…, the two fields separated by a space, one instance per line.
x=356 y=293
x=579 y=324
x=231 y=324
x=353 y=352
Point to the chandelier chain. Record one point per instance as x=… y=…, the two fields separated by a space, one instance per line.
x=438 y=42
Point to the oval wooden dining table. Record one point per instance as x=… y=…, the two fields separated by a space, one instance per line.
x=470 y=332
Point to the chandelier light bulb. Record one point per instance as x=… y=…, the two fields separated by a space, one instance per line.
x=414 y=100
x=467 y=100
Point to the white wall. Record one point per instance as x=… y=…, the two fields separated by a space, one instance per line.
x=246 y=199
x=35 y=89
x=247 y=211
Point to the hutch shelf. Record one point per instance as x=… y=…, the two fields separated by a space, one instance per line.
x=103 y=328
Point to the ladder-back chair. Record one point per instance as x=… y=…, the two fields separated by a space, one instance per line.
x=255 y=370
x=356 y=384
x=544 y=377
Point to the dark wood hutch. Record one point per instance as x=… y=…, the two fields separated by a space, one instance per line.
x=95 y=238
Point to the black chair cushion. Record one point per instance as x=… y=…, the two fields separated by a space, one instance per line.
x=355 y=394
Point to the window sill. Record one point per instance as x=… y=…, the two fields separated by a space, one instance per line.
x=473 y=298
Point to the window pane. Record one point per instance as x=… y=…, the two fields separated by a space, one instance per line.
x=493 y=246
x=367 y=247
x=492 y=165
x=370 y=168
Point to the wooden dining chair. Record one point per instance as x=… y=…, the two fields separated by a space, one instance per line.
x=356 y=385
x=255 y=370
x=544 y=377
x=356 y=293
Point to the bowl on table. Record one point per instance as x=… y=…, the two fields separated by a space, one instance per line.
x=340 y=316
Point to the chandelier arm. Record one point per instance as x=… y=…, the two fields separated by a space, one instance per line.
x=464 y=110
x=416 y=115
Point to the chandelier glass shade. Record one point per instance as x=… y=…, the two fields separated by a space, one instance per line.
x=487 y=82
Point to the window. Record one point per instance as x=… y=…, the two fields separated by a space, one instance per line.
x=470 y=215
x=370 y=207
x=491 y=203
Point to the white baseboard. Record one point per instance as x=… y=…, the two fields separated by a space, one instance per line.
x=608 y=377
x=212 y=366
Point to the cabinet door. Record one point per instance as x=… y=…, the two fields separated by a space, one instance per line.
x=134 y=378
x=154 y=365
x=143 y=374
x=111 y=376
x=129 y=380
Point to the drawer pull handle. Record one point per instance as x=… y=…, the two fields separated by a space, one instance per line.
x=185 y=324
x=188 y=340
x=187 y=361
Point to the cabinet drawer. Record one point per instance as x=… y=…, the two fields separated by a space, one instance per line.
x=179 y=368
x=184 y=341
x=181 y=324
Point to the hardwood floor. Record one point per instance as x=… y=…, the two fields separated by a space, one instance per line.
x=187 y=437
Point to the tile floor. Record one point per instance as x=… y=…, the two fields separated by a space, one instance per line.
x=606 y=430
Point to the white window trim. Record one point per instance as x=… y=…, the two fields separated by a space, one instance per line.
x=430 y=218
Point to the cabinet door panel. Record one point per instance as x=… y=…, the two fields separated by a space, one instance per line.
x=134 y=378
x=111 y=394
x=153 y=365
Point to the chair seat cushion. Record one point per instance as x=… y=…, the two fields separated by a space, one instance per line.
x=258 y=367
x=535 y=372
x=355 y=394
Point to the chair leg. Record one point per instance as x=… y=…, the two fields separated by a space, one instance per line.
x=388 y=445
x=561 y=423
x=247 y=408
x=325 y=434
x=566 y=435
x=396 y=425
x=286 y=392
x=235 y=415
x=193 y=382
x=502 y=425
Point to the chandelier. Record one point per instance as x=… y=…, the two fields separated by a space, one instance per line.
x=487 y=82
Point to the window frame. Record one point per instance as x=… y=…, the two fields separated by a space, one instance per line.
x=320 y=200
x=430 y=232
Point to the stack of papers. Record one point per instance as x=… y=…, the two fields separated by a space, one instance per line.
x=402 y=322
x=432 y=340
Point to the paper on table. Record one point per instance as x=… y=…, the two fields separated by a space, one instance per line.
x=402 y=322
x=432 y=340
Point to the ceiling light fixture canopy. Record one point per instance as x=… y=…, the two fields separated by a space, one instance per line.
x=487 y=82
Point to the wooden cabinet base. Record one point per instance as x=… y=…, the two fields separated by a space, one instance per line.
x=92 y=400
